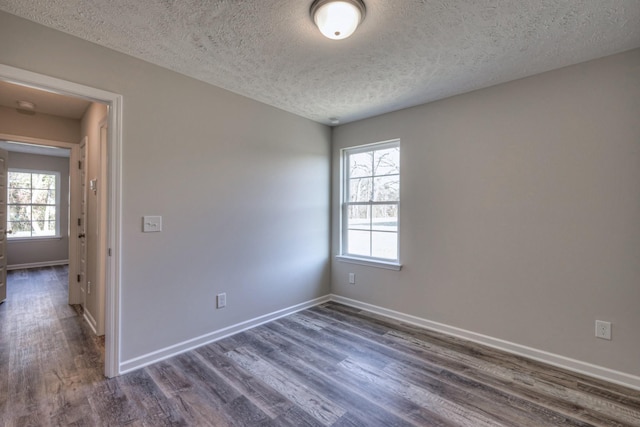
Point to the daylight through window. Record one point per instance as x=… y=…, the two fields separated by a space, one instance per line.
x=32 y=204
x=371 y=201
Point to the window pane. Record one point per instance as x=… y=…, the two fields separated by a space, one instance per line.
x=20 y=229
x=19 y=196
x=19 y=180
x=43 y=213
x=370 y=226
x=387 y=161
x=37 y=212
x=32 y=209
x=386 y=188
x=44 y=197
x=360 y=164
x=360 y=189
x=358 y=243
x=44 y=228
x=43 y=181
x=19 y=213
x=359 y=218
x=385 y=218
x=384 y=245
x=50 y=213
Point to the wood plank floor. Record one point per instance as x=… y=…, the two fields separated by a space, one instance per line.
x=327 y=366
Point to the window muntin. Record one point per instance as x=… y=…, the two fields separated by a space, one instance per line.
x=371 y=201
x=33 y=204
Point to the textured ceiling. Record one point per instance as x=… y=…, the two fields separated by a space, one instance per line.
x=406 y=52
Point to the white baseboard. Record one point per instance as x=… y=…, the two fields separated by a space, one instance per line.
x=578 y=366
x=37 y=264
x=91 y=321
x=574 y=365
x=158 y=355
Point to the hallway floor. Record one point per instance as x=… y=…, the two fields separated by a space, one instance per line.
x=47 y=351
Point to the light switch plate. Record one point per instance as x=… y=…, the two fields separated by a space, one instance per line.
x=151 y=224
x=221 y=300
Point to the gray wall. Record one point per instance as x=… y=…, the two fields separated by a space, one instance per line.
x=520 y=211
x=242 y=188
x=42 y=250
x=43 y=126
x=519 y=203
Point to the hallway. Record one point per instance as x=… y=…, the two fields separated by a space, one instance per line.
x=47 y=351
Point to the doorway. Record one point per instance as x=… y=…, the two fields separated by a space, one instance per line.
x=44 y=193
x=110 y=209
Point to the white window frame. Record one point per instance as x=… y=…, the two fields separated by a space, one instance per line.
x=58 y=190
x=344 y=205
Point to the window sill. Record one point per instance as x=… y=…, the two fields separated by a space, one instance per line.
x=387 y=265
x=32 y=239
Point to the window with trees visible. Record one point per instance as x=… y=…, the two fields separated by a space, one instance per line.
x=371 y=201
x=32 y=206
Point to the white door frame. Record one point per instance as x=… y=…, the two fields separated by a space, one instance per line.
x=114 y=199
x=4 y=171
x=78 y=252
x=103 y=243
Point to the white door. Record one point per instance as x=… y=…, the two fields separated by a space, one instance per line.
x=82 y=226
x=3 y=225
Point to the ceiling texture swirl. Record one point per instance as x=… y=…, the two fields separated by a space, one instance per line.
x=405 y=53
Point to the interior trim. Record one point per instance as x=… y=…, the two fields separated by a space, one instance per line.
x=574 y=365
x=37 y=264
x=184 y=346
x=370 y=262
x=91 y=321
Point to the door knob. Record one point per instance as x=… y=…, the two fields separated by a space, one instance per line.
x=80 y=236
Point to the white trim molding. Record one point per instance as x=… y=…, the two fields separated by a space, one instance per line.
x=91 y=321
x=182 y=347
x=37 y=264
x=557 y=360
x=577 y=366
x=370 y=262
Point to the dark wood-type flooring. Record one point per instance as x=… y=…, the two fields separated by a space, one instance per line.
x=330 y=365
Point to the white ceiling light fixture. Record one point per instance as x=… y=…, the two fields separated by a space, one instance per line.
x=337 y=19
x=26 y=105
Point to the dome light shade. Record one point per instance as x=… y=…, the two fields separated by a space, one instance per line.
x=26 y=105
x=337 y=19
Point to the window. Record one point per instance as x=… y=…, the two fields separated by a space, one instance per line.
x=371 y=202
x=33 y=204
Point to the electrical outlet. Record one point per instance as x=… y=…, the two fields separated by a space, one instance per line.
x=352 y=278
x=603 y=329
x=221 y=300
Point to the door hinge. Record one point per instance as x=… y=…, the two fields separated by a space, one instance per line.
x=109 y=251
x=80 y=164
x=79 y=222
x=78 y=277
